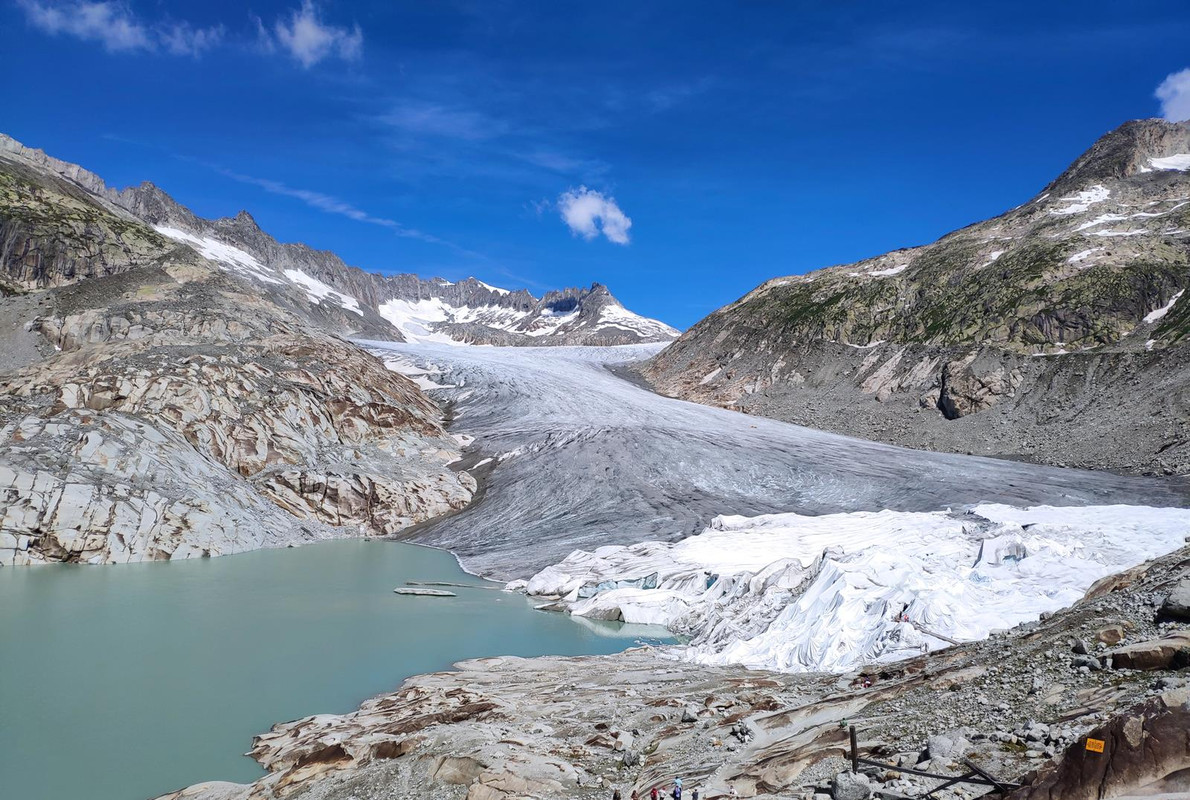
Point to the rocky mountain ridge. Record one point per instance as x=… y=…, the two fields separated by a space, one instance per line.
x=1055 y=332
x=155 y=405
x=347 y=300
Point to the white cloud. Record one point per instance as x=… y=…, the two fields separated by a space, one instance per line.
x=183 y=39
x=589 y=213
x=309 y=40
x=110 y=24
x=1174 y=94
x=114 y=26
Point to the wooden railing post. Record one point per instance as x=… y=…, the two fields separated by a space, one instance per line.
x=854 y=753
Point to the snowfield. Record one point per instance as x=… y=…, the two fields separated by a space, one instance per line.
x=584 y=458
x=796 y=593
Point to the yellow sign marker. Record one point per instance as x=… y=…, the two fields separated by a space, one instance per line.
x=1095 y=745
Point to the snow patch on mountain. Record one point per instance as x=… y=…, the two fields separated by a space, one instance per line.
x=1179 y=162
x=415 y=318
x=881 y=273
x=992 y=258
x=491 y=288
x=616 y=316
x=318 y=291
x=222 y=253
x=1083 y=200
x=1159 y=313
x=1083 y=255
x=802 y=593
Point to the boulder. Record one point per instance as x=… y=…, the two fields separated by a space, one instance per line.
x=851 y=786
x=947 y=747
x=690 y=714
x=1111 y=635
x=975 y=383
x=1177 y=604
x=457 y=771
x=1169 y=652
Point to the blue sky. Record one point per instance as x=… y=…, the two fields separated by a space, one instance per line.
x=679 y=152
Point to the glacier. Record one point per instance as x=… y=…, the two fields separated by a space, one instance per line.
x=581 y=457
x=795 y=593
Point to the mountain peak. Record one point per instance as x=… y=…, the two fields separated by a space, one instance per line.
x=245 y=219
x=1124 y=152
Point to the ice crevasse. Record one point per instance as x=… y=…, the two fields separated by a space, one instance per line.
x=803 y=593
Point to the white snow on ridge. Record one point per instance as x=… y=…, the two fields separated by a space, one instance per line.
x=318 y=291
x=222 y=253
x=1179 y=162
x=881 y=273
x=1159 y=313
x=799 y=593
x=1083 y=200
x=414 y=317
x=616 y=316
x=491 y=288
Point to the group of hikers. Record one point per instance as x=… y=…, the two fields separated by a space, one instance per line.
x=655 y=793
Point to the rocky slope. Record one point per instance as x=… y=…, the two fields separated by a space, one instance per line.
x=318 y=285
x=1020 y=704
x=155 y=405
x=1056 y=332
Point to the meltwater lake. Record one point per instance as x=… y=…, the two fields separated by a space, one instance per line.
x=125 y=682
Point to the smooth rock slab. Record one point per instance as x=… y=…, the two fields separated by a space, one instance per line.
x=1168 y=652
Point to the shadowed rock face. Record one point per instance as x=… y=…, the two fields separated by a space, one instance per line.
x=586 y=459
x=155 y=406
x=1039 y=334
x=1146 y=752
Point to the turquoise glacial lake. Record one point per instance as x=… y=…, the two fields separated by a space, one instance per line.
x=124 y=682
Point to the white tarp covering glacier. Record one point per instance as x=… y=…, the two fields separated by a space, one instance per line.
x=795 y=593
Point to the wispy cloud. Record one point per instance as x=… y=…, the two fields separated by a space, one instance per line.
x=328 y=203
x=589 y=213
x=441 y=121
x=115 y=27
x=183 y=39
x=1174 y=94
x=301 y=33
x=663 y=98
x=309 y=40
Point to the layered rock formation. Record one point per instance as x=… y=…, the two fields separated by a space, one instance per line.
x=155 y=405
x=1039 y=334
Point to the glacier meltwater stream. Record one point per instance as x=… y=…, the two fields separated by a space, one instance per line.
x=142 y=678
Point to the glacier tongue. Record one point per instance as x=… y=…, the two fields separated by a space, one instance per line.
x=800 y=593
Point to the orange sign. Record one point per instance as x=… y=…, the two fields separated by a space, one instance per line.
x=1095 y=745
